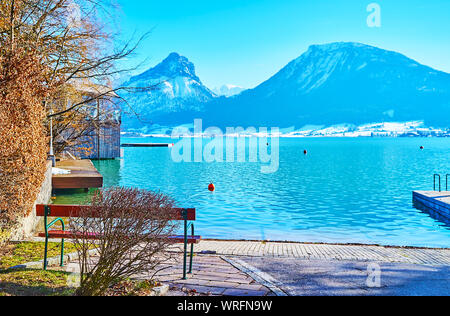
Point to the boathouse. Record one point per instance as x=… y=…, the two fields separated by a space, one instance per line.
x=101 y=138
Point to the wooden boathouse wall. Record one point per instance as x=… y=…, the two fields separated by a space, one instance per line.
x=104 y=143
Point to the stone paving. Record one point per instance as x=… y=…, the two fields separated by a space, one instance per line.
x=251 y=268
x=326 y=251
x=426 y=256
x=211 y=276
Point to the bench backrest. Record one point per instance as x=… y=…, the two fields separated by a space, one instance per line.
x=75 y=211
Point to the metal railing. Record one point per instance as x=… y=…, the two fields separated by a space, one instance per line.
x=438 y=176
x=434 y=181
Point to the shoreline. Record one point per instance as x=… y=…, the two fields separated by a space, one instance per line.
x=163 y=136
x=39 y=239
x=324 y=243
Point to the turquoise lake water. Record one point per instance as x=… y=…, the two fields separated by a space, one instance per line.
x=346 y=190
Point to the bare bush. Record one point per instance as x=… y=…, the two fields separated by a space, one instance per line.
x=130 y=229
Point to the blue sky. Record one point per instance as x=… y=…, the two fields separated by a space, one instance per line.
x=244 y=42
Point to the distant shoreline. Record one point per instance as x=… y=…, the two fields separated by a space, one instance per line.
x=132 y=135
x=381 y=129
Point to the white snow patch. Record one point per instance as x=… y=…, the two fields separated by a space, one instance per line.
x=57 y=171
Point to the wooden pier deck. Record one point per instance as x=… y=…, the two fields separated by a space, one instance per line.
x=148 y=145
x=438 y=202
x=83 y=175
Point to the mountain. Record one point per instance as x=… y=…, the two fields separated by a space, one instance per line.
x=176 y=92
x=341 y=83
x=228 y=90
x=329 y=84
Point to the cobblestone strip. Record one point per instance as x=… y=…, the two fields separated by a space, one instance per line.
x=328 y=251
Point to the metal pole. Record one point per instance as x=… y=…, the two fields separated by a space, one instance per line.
x=46 y=210
x=192 y=250
x=51 y=153
x=98 y=129
x=185 y=243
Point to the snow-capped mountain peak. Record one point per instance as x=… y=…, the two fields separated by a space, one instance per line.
x=173 y=66
x=176 y=89
x=228 y=90
x=343 y=82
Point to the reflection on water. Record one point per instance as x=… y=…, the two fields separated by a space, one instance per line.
x=344 y=190
x=419 y=206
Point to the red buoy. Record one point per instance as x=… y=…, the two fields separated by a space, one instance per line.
x=421 y=147
x=211 y=187
x=305 y=152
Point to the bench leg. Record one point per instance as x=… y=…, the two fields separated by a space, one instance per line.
x=185 y=250
x=45 y=253
x=192 y=252
x=62 y=253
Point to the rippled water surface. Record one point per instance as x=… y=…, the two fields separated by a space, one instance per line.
x=345 y=190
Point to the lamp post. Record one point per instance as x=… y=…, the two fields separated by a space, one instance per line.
x=51 y=154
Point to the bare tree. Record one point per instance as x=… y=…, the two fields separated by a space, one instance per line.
x=79 y=48
x=130 y=228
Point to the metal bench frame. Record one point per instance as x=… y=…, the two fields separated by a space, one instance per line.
x=184 y=214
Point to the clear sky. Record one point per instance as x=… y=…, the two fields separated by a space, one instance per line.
x=244 y=42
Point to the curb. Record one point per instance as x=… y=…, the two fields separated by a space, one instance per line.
x=160 y=290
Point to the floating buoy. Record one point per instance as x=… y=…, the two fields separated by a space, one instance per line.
x=211 y=187
x=421 y=147
x=305 y=152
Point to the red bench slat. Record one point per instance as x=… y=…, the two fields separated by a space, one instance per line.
x=190 y=239
x=94 y=236
x=75 y=210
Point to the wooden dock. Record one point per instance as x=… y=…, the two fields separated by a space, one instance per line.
x=149 y=145
x=83 y=175
x=438 y=202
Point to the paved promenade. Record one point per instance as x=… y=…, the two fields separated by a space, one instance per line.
x=244 y=268
x=326 y=252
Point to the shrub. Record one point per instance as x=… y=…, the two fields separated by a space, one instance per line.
x=133 y=228
x=23 y=147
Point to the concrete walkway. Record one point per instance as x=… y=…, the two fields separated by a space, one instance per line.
x=325 y=252
x=300 y=277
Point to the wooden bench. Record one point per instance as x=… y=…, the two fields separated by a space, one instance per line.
x=60 y=211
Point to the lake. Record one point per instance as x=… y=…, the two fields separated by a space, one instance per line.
x=345 y=190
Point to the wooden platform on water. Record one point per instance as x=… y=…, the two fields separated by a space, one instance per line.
x=148 y=145
x=438 y=202
x=83 y=175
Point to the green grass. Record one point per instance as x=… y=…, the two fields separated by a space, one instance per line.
x=31 y=251
x=34 y=283
x=24 y=282
x=28 y=282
